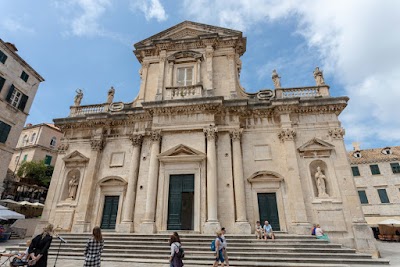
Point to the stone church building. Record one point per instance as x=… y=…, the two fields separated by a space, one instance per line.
x=194 y=151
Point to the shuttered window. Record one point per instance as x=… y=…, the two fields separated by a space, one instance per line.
x=2 y=81
x=3 y=57
x=24 y=76
x=395 y=167
x=4 y=131
x=374 y=169
x=355 y=170
x=383 y=196
x=363 y=197
x=47 y=160
x=16 y=98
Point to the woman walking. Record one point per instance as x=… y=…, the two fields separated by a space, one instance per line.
x=93 y=249
x=175 y=258
x=38 y=249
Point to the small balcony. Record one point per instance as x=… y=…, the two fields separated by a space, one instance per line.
x=302 y=92
x=184 y=92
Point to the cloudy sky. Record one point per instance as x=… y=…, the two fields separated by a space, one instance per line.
x=88 y=44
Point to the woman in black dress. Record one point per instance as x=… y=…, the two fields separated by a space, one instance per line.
x=40 y=246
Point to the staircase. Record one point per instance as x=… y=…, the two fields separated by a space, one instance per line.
x=243 y=250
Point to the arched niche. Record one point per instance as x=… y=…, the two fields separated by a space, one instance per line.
x=324 y=170
x=72 y=174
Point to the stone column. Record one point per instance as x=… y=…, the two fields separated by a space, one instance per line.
x=161 y=75
x=208 y=81
x=242 y=226
x=143 y=77
x=126 y=225
x=84 y=208
x=212 y=224
x=299 y=222
x=148 y=225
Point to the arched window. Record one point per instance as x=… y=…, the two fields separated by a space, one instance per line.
x=386 y=151
x=357 y=154
x=53 y=141
x=33 y=137
x=25 y=140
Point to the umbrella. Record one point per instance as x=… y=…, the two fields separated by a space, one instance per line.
x=37 y=204
x=9 y=201
x=25 y=203
x=9 y=214
x=391 y=222
x=3 y=208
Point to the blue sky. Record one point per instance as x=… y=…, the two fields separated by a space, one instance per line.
x=88 y=44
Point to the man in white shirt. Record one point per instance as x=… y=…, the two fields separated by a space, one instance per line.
x=224 y=245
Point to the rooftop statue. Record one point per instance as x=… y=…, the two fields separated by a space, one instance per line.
x=78 y=97
x=276 y=79
x=110 y=96
x=319 y=76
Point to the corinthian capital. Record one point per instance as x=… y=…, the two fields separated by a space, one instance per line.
x=97 y=144
x=155 y=136
x=136 y=139
x=236 y=134
x=337 y=133
x=211 y=132
x=287 y=134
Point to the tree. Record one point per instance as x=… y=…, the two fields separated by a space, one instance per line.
x=36 y=171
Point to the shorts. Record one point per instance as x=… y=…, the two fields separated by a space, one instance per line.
x=220 y=257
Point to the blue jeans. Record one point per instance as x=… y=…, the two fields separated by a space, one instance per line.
x=220 y=256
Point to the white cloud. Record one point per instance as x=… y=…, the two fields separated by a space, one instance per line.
x=152 y=9
x=14 y=25
x=359 y=46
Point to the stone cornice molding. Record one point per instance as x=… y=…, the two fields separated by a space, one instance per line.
x=236 y=134
x=287 y=135
x=185 y=54
x=187 y=109
x=211 y=132
x=136 y=139
x=337 y=133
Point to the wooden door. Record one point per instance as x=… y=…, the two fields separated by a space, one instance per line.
x=268 y=210
x=110 y=212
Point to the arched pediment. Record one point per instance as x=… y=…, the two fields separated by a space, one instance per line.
x=181 y=153
x=185 y=55
x=265 y=176
x=112 y=181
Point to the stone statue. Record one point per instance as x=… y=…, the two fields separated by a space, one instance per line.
x=73 y=187
x=78 y=97
x=110 y=96
x=319 y=77
x=320 y=180
x=276 y=79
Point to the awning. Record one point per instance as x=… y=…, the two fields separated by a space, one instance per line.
x=390 y=222
x=373 y=221
x=11 y=215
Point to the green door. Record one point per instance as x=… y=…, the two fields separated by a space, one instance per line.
x=180 y=202
x=268 y=210
x=110 y=212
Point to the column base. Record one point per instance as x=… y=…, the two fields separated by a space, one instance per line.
x=81 y=227
x=125 y=227
x=242 y=228
x=363 y=239
x=211 y=227
x=302 y=228
x=147 y=227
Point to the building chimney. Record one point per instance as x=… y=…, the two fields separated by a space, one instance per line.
x=12 y=47
x=356 y=146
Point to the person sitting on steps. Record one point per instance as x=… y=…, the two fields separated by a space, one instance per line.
x=268 y=233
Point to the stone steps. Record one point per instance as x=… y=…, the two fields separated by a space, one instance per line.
x=244 y=250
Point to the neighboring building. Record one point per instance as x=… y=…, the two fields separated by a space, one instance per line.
x=36 y=143
x=18 y=86
x=376 y=173
x=194 y=151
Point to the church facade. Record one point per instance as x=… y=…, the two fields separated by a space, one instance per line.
x=194 y=151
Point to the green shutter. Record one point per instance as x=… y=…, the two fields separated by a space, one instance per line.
x=374 y=169
x=47 y=160
x=363 y=197
x=10 y=91
x=22 y=103
x=4 y=131
x=3 y=57
x=383 y=196
x=2 y=81
x=25 y=158
x=355 y=170
x=395 y=167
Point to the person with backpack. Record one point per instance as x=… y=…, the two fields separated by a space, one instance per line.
x=224 y=245
x=218 y=246
x=177 y=253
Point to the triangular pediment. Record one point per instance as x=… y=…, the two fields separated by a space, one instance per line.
x=75 y=156
x=187 y=30
x=316 y=148
x=182 y=153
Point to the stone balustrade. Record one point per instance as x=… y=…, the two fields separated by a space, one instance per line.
x=302 y=92
x=89 y=109
x=184 y=92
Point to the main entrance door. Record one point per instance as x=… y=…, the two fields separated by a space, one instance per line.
x=268 y=210
x=181 y=202
x=110 y=212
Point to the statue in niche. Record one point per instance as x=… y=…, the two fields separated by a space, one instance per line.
x=319 y=77
x=276 y=79
x=110 y=96
x=73 y=187
x=320 y=181
x=78 y=97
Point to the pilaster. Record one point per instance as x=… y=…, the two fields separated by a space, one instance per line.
x=161 y=75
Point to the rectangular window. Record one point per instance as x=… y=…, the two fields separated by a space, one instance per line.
x=363 y=197
x=383 y=196
x=24 y=76
x=25 y=158
x=16 y=98
x=3 y=57
x=47 y=160
x=2 y=81
x=395 y=167
x=355 y=170
x=185 y=76
x=374 y=169
x=4 y=131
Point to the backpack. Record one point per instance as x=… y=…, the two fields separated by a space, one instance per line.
x=181 y=253
x=213 y=247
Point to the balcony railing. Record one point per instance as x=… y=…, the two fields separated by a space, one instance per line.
x=184 y=92
x=302 y=92
x=89 y=109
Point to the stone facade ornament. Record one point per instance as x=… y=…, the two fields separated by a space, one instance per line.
x=236 y=134
x=287 y=134
x=136 y=139
x=265 y=94
x=62 y=148
x=319 y=77
x=78 y=97
x=211 y=132
x=73 y=187
x=337 y=133
x=276 y=79
x=110 y=96
x=320 y=181
x=155 y=136
x=97 y=144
